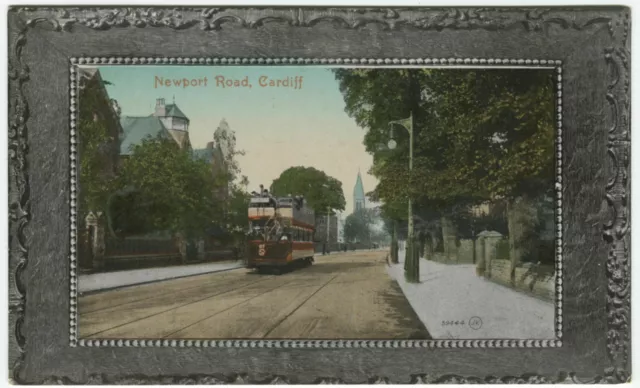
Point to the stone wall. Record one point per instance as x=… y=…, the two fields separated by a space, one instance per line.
x=438 y=257
x=495 y=265
x=539 y=280
x=500 y=272
x=340 y=247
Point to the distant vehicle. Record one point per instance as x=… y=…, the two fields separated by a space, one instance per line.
x=280 y=232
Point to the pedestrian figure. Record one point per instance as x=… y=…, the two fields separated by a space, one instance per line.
x=324 y=248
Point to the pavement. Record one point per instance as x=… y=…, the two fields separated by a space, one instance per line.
x=341 y=296
x=116 y=279
x=454 y=303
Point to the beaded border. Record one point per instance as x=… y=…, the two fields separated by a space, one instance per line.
x=292 y=344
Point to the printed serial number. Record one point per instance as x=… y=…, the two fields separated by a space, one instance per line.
x=453 y=323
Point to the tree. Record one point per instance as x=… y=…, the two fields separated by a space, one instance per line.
x=98 y=131
x=499 y=129
x=169 y=189
x=478 y=135
x=322 y=192
x=229 y=178
x=358 y=226
x=495 y=134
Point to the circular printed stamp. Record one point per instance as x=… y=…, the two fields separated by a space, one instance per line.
x=475 y=323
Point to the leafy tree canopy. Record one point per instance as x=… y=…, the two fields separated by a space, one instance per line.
x=98 y=131
x=358 y=226
x=321 y=191
x=171 y=190
x=478 y=134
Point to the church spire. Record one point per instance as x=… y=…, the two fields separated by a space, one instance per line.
x=358 y=194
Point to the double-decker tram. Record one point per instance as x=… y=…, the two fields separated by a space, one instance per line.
x=280 y=232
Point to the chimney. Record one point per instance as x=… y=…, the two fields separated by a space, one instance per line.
x=160 y=108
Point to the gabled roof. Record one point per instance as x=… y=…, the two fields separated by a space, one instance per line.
x=208 y=154
x=137 y=128
x=172 y=110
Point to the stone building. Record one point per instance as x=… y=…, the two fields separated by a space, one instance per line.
x=99 y=135
x=98 y=107
x=218 y=153
x=169 y=121
x=321 y=229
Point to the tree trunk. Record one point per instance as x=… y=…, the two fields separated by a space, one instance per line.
x=428 y=247
x=449 y=239
x=181 y=244
x=412 y=267
x=422 y=238
x=435 y=243
x=521 y=221
x=394 y=243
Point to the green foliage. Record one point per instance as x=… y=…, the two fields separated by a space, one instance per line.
x=478 y=135
x=98 y=131
x=237 y=215
x=172 y=191
x=495 y=134
x=358 y=226
x=321 y=191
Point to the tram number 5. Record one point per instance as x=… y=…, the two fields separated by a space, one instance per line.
x=261 y=250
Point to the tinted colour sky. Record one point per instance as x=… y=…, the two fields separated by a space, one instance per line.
x=277 y=126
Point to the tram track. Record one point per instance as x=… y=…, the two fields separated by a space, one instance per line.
x=229 y=308
x=341 y=296
x=85 y=311
x=298 y=307
x=180 y=306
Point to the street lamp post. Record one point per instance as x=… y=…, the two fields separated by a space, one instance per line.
x=328 y=226
x=412 y=264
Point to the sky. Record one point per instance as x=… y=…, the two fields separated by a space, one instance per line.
x=278 y=126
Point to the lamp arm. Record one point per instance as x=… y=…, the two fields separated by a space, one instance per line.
x=398 y=123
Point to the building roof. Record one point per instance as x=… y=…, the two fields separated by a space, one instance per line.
x=358 y=190
x=209 y=154
x=205 y=154
x=135 y=129
x=172 y=110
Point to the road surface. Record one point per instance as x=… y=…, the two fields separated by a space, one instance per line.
x=341 y=296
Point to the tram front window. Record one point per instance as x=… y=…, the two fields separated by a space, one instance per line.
x=262 y=230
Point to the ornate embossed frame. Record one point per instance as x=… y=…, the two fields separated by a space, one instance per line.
x=592 y=44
